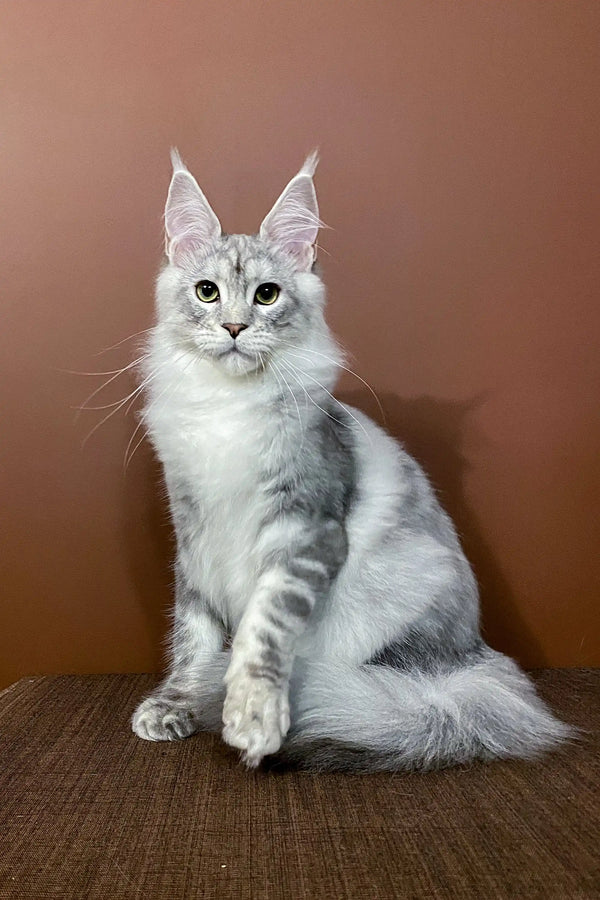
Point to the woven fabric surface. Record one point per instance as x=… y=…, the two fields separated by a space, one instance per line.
x=89 y=811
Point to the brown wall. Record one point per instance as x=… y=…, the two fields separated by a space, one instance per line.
x=460 y=161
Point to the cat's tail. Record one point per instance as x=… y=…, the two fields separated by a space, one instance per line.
x=379 y=718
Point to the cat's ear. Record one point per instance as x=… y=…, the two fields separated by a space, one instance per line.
x=294 y=222
x=190 y=223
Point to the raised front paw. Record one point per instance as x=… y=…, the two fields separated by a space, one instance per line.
x=256 y=717
x=157 y=719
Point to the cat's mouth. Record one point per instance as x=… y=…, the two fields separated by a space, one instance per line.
x=235 y=350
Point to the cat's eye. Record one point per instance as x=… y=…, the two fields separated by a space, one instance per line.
x=266 y=294
x=207 y=291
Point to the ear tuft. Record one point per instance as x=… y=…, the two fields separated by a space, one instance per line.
x=190 y=223
x=293 y=223
x=176 y=161
x=310 y=163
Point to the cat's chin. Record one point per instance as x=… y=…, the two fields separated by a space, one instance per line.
x=237 y=362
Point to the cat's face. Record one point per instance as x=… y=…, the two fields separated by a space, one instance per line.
x=238 y=299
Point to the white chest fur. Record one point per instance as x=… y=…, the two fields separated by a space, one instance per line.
x=214 y=441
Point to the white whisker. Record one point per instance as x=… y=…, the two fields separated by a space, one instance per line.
x=295 y=401
x=277 y=375
x=335 y=400
x=320 y=249
x=172 y=382
x=289 y=369
x=115 y=375
x=102 y=421
x=110 y=372
x=108 y=405
x=119 y=343
x=128 y=461
x=340 y=366
x=125 y=399
x=135 y=431
x=122 y=403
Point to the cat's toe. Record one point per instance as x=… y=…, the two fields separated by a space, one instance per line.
x=159 y=720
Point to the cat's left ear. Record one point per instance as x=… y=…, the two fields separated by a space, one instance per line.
x=294 y=223
x=190 y=223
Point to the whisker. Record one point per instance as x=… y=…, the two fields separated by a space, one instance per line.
x=340 y=366
x=119 y=343
x=320 y=249
x=108 y=405
x=311 y=398
x=277 y=374
x=135 y=431
x=138 y=390
x=263 y=364
x=172 y=382
x=102 y=421
x=110 y=372
x=128 y=461
x=110 y=380
x=131 y=396
x=335 y=400
x=296 y=402
x=121 y=403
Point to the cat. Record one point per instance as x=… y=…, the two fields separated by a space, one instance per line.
x=305 y=533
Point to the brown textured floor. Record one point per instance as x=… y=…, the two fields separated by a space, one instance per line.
x=89 y=811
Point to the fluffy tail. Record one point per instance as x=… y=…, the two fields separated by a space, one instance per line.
x=377 y=718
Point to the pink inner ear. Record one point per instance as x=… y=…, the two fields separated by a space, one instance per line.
x=190 y=222
x=293 y=223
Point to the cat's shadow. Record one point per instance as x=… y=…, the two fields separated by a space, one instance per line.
x=431 y=429
x=434 y=432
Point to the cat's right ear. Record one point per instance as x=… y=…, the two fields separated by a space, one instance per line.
x=190 y=223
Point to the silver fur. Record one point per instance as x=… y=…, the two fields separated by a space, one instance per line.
x=305 y=532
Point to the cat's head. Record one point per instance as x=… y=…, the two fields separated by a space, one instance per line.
x=239 y=299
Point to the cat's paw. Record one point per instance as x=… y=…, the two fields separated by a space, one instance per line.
x=256 y=718
x=157 y=719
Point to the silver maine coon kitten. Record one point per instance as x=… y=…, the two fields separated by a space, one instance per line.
x=303 y=530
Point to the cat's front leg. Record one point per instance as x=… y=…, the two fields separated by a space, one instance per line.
x=256 y=714
x=256 y=709
x=190 y=698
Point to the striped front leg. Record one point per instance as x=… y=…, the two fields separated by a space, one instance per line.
x=183 y=703
x=256 y=711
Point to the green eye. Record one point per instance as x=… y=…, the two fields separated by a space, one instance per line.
x=266 y=294
x=207 y=291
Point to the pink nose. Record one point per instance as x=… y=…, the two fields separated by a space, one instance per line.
x=234 y=328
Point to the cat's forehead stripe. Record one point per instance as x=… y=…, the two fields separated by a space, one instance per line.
x=240 y=260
